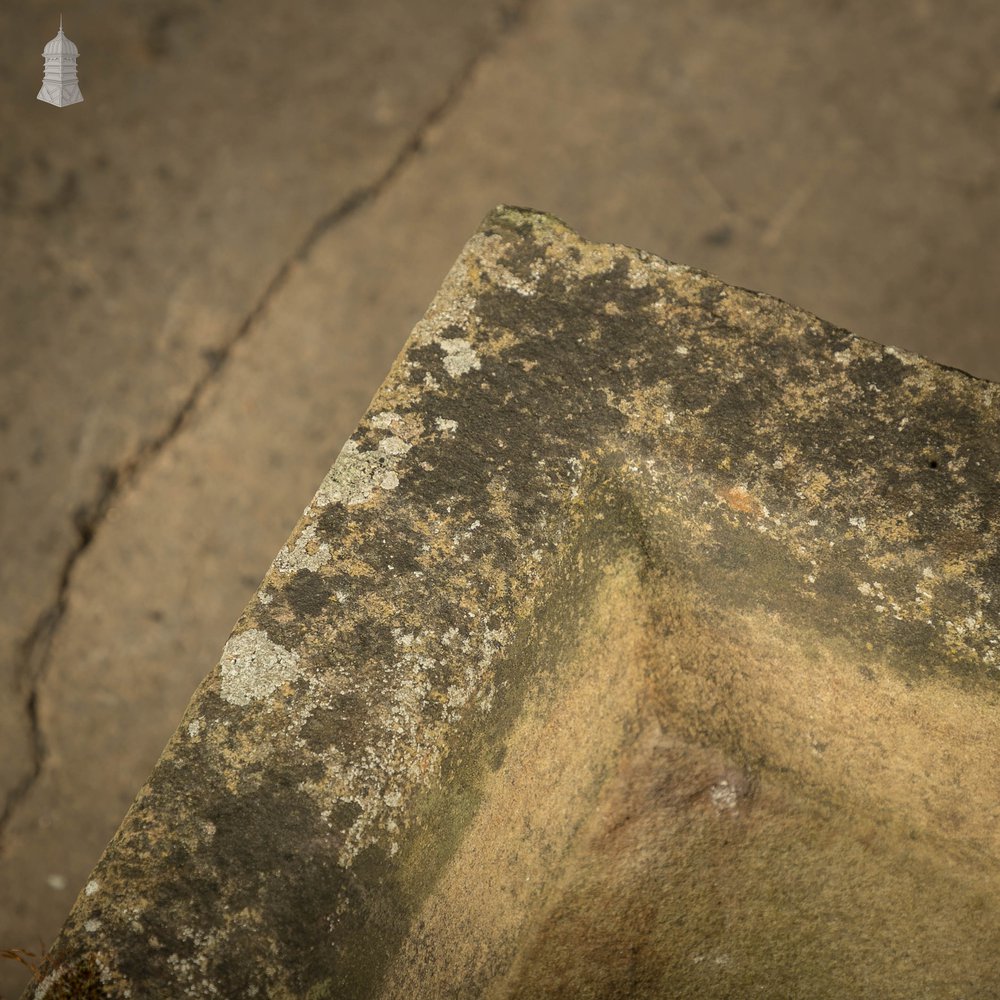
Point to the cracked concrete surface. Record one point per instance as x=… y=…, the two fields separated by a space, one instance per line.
x=185 y=346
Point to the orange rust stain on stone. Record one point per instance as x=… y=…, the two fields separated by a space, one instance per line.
x=739 y=498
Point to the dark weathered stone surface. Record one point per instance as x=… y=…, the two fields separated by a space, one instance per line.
x=642 y=641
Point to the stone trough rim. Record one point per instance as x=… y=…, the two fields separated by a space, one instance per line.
x=269 y=663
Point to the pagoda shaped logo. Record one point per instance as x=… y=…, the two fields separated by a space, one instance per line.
x=59 y=85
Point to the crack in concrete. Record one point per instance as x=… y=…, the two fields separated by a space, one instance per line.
x=88 y=518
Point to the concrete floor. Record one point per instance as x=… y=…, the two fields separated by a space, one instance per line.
x=207 y=267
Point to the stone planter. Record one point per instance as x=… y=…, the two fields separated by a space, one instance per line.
x=641 y=642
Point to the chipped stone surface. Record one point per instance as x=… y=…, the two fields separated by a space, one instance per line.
x=643 y=622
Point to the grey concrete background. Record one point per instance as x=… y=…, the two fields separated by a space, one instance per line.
x=207 y=267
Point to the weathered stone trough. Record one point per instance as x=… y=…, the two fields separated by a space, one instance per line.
x=641 y=642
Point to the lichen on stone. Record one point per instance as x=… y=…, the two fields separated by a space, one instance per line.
x=459 y=356
x=307 y=552
x=253 y=667
x=358 y=474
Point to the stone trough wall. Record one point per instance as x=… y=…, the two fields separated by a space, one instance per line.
x=641 y=642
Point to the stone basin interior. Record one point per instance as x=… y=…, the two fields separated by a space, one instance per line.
x=718 y=805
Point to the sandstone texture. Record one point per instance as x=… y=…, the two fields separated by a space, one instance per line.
x=642 y=641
